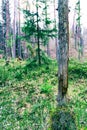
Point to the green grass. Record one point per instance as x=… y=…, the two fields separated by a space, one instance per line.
x=28 y=94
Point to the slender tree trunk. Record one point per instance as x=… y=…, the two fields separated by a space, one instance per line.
x=38 y=39
x=47 y=26
x=14 y=40
x=48 y=49
x=63 y=50
x=19 y=32
x=4 y=41
x=79 y=25
x=7 y=28
x=56 y=41
x=14 y=33
x=4 y=26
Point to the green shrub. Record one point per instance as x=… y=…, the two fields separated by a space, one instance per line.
x=46 y=88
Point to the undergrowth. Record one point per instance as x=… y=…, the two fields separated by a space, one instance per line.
x=28 y=94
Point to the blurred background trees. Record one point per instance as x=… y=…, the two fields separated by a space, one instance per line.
x=27 y=25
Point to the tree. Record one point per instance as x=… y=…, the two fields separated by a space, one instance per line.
x=1 y=37
x=55 y=24
x=63 y=50
x=47 y=23
x=78 y=36
x=62 y=118
x=38 y=25
x=19 y=31
x=6 y=25
x=38 y=37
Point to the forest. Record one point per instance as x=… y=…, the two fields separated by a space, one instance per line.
x=43 y=65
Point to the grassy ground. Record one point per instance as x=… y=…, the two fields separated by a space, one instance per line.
x=28 y=94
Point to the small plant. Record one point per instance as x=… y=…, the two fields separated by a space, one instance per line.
x=46 y=88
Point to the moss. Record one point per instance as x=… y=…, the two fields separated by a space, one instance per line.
x=62 y=119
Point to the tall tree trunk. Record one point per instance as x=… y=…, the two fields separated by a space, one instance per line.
x=48 y=49
x=19 y=32
x=56 y=44
x=7 y=28
x=38 y=38
x=63 y=50
x=6 y=25
x=47 y=26
x=79 y=32
x=14 y=33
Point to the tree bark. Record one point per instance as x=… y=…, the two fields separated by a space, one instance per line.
x=19 y=31
x=14 y=33
x=38 y=37
x=56 y=39
x=63 y=50
x=7 y=27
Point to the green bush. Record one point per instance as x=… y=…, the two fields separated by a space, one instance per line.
x=46 y=88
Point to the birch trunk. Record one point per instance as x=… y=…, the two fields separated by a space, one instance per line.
x=14 y=33
x=63 y=50
x=19 y=31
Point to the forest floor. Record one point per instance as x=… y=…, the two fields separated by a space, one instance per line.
x=28 y=94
